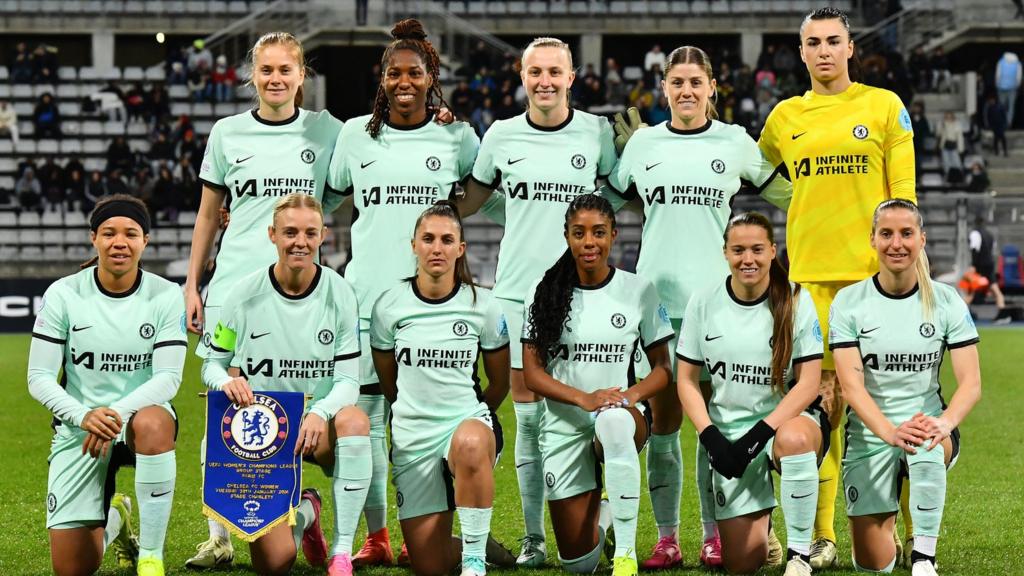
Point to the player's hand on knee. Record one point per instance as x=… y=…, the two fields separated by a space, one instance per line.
x=750 y=444
x=937 y=429
x=95 y=446
x=239 y=392
x=720 y=452
x=313 y=426
x=602 y=400
x=625 y=127
x=908 y=435
x=194 y=311
x=103 y=422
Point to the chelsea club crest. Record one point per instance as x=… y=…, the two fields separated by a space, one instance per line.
x=257 y=431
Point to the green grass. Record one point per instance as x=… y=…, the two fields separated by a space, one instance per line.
x=981 y=531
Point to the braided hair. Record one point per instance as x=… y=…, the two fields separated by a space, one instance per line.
x=549 y=313
x=408 y=35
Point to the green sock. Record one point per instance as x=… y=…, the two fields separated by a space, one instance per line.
x=376 y=409
x=705 y=495
x=528 y=465
x=353 y=470
x=799 y=493
x=304 y=516
x=615 y=429
x=475 y=524
x=154 y=490
x=587 y=563
x=665 y=479
x=927 y=489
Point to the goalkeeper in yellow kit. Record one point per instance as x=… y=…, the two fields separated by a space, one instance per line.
x=846 y=147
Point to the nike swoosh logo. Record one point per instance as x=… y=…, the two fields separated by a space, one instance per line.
x=708 y=338
x=354 y=488
x=624 y=497
x=753 y=449
x=79 y=328
x=927 y=509
x=157 y=495
x=658 y=487
x=255 y=336
x=472 y=541
x=511 y=161
x=524 y=464
x=795 y=136
x=400 y=326
x=799 y=497
x=240 y=160
x=863 y=331
x=649 y=166
x=361 y=165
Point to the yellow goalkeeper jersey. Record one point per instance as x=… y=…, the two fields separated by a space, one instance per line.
x=845 y=153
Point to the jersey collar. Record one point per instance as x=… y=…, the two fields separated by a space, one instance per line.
x=108 y=293
x=878 y=286
x=565 y=123
x=312 y=285
x=736 y=299
x=416 y=126
x=611 y=272
x=694 y=132
x=284 y=122
x=441 y=300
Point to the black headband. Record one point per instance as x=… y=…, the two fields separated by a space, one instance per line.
x=119 y=208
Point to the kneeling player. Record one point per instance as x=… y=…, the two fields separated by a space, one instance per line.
x=445 y=437
x=583 y=322
x=119 y=335
x=760 y=339
x=888 y=335
x=299 y=311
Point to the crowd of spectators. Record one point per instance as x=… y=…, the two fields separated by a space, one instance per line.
x=208 y=79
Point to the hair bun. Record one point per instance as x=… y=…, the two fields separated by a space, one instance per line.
x=409 y=29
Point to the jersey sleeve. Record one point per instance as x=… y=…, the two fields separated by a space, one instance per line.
x=655 y=326
x=609 y=158
x=765 y=175
x=485 y=172
x=345 y=389
x=769 y=141
x=494 y=207
x=339 y=178
x=171 y=330
x=960 y=328
x=842 y=325
x=494 y=335
x=49 y=335
x=688 y=346
x=469 y=146
x=52 y=319
x=899 y=151
x=214 y=168
x=222 y=350
x=382 y=326
x=808 y=341
x=621 y=179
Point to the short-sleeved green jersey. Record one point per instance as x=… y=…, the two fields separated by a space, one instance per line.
x=109 y=338
x=392 y=180
x=607 y=324
x=901 y=349
x=292 y=343
x=686 y=180
x=255 y=162
x=540 y=170
x=733 y=339
x=436 y=343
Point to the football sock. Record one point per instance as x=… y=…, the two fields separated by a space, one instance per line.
x=529 y=469
x=154 y=490
x=799 y=499
x=352 y=473
x=615 y=429
x=665 y=480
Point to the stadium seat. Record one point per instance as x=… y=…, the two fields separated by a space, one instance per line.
x=187 y=218
x=70 y=146
x=632 y=73
x=237 y=7
x=22 y=91
x=618 y=7
x=67 y=73
x=67 y=91
x=88 y=73
x=47 y=147
x=40 y=89
x=74 y=219
x=496 y=8
x=24 y=109
x=8 y=219
x=177 y=92
x=51 y=218
x=25 y=146
x=8 y=165
x=92 y=128
x=133 y=74
x=156 y=73
x=113 y=128
x=196 y=7
x=1010 y=267
x=155 y=7
x=5 y=90
x=6 y=147
x=28 y=219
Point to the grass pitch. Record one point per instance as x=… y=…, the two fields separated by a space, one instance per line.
x=981 y=531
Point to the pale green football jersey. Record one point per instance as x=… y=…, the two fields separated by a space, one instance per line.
x=901 y=349
x=109 y=338
x=256 y=162
x=733 y=339
x=540 y=170
x=686 y=180
x=436 y=344
x=293 y=343
x=607 y=324
x=392 y=180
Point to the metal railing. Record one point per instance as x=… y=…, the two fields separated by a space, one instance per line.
x=917 y=23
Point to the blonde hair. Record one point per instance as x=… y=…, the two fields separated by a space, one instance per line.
x=548 y=42
x=298 y=200
x=694 y=55
x=921 y=266
x=279 y=39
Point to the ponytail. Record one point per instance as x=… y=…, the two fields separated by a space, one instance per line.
x=448 y=209
x=922 y=267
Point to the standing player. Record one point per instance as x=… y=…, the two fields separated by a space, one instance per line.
x=444 y=430
x=760 y=338
x=686 y=172
x=118 y=334
x=542 y=160
x=584 y=321
x=888 y=335
x=846 y=147
x=297 y=313
x=393 y=163
x=253 y=159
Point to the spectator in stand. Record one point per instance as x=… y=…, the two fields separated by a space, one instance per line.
x=920 y=70
x=784 y=60
x=165 y=197
x=21 y=65
x=942 y=78
x=178 y=75
x=614 y=89
x=135 y=103
x=483 y=117
x=44 y=65
x=983 y=262
x=462 y=100
x=766 y=61
x=507 y=108
x=119 y=155
x=74 y=187
x=654 y=61
x=183 y=125
x=185 y=173
x=116 y=183
x=1008 y=77
x=187 y=145
x=641 y=97
x=46 y=117
x=159 y=104
x=200 y=55
x=142 y=188
x=8 y=121
x=659 y=112
x=951 y=145
x=199 y=83
x=28 y=191
x=95 y=188
x=111 y=101
x=224 y=80
x=922 y=132
x=479 y=56
x=996 y=120
x=161 y=148
x=51 y=179
x=482 y=79
x=977 y=180
x=176 y=65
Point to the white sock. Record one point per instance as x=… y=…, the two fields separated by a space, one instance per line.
x=710 y=529
x=113 y=527
x=218 y=530
x=925 y=545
